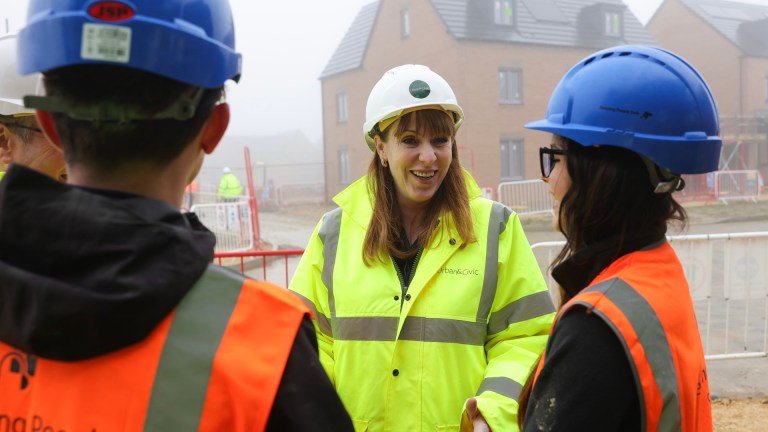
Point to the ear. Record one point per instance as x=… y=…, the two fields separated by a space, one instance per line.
x=6 y=147
x=45 y=121
x=214 y=128
x=379 y=147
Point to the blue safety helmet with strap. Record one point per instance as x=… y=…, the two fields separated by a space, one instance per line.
x=641 y=98
x=189 y=41
x=192 y=41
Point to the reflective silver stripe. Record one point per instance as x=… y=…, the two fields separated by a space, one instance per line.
x=530 y=306
x=497 y=223
x=443 y=330
x=329 y=235
x=322 y=321
x=199 y=322
x=414 y=329
x=501 y=385
x=653 y=339
x=365 y=328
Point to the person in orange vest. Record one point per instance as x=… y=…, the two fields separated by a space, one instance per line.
x=112 y=316
x=624 y=353
x=189 y=193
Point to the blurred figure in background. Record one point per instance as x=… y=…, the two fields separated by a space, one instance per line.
x=230 y=188
x=625 y=353
x=21 y=140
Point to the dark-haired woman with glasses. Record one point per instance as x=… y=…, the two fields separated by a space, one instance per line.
x=624 y=353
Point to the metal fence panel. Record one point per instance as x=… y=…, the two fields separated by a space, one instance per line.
x=230 y=222
x=727 y=277
x=743 y=184
x=526 y=197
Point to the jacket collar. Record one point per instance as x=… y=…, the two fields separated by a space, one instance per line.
x=578 y=270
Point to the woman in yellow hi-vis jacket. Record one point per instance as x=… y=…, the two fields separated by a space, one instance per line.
x=429 y=305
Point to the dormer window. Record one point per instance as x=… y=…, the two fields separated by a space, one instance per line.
x=504 y=12
x=613 y=24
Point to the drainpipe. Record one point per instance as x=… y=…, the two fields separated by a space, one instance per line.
x=741 y=86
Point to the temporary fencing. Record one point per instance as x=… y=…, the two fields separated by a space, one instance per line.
x=530 y=197
x=526 y=197
x=231 y=222
x=275 y=266
x=728 y=278
x=739 y=185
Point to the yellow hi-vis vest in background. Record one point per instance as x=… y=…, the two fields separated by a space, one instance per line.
x=472 y=322
x=229 y=186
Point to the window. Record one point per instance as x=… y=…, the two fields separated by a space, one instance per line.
x=341 y=107
x=343 y=166
x=510 y=86
x=503 y=12
x=405 y=24
x=766 y=88
x=613 y=24
x=512 y=159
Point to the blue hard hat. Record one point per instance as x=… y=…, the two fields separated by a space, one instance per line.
x=191 y=41
x=641 y=98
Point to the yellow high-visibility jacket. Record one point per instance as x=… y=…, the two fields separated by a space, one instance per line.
x=472 y=321
x=229 y=186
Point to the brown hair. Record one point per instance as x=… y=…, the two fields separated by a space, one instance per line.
x=384 y=230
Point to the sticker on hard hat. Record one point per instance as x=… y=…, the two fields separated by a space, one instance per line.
x=106 y=42
x=111 y=11
x=419 y=89
x=645 y=115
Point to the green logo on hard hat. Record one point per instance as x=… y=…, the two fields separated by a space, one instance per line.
x=419 y=89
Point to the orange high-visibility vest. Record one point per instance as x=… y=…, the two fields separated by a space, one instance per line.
x=644 y=297
x=214 y=364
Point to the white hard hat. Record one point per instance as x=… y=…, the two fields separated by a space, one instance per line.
x=227 y=170
x=406 y=87
x=13 y=87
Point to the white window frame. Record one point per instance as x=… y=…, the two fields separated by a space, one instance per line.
x=405 y=23
x=766 y=88
x=506 y=159
x=343 y=155
x=342 y=107
x=500 y=16
x=510 y=96
x=609 y=18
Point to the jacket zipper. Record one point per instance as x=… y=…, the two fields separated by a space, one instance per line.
x=401 y=277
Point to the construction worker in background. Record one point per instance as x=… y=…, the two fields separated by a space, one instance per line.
x=190 y=192
x=21 y=140
x=426 y=296
x=230 y=188
x=625 y=353
x=111 y=315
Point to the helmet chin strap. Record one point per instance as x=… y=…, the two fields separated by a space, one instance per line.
x=662 y=179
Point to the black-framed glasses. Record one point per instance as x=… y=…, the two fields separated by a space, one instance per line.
x=547 y=159
x=22 y=126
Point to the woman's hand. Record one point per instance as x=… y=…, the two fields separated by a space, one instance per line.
x=472 y=420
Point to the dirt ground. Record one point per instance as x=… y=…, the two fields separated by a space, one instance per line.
x=740 y=414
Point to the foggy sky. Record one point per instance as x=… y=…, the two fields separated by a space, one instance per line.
x=285 y=47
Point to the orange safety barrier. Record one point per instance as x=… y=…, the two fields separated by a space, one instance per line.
x=241 y=256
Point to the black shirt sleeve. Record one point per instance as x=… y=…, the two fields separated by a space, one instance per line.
x=586 y=383
x=306 y=400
